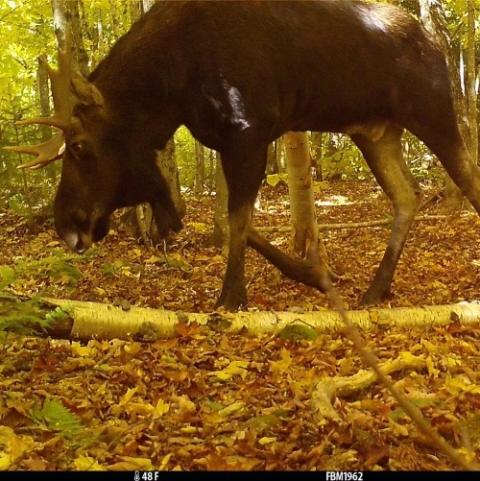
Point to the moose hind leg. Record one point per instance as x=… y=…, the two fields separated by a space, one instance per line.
x=243 y=174
x=385 y=159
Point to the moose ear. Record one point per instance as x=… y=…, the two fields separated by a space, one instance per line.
x=85 y=92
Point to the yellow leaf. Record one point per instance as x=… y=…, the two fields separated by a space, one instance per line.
x=235 y=368
x=188 y=429
x=284 y=363
x=432 y=370
x=144 y=409
x=274 y=179
x=451 y=362
x=133 y=348
x=429 y=346
x=200 y=227
x=398 y=428
x=155 y=260
x=184 y=403
x=5 y=461
x=160 y=409
x=82 y=351
x=164 y=462
x=87 y=463
x=132 y=464
x=266 y=440
x=14 y=446
x=127 y=396
x=137 y=252
x=232 y=408
x=458 y=384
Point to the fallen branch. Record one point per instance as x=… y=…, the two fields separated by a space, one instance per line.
x=372 y=223
x=94 y=320
x=370 y=360
x=341 y=386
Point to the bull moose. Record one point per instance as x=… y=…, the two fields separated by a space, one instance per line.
x=239 y=74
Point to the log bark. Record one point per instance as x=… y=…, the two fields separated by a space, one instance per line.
x=89 y=320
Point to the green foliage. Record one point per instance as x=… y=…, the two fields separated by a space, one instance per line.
x=54 y=416
x=274 y=179
x=298 y=332
x=23 y=317
x=7 y=276
x=111 y=269
x=57 y=266
x=56 y=316
x=185 y=156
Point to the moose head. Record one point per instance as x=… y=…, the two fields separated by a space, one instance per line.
x=103 y=168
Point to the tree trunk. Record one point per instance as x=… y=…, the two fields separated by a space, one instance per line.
x=471 y=83
x=44 y=101
x=432 y=16
x=80 y=55
x=316 y=150
x=60 y=22
x=302 y=206
x=168 y=168
x=279 y=151
x=211 y=170
x=147 y=5
x=220 y=225
x=306 y=241
x=272 y=166
x=136 y=10
x=43 y=94
x=199 y=167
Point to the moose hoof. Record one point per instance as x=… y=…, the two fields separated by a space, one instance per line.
x=232 y=300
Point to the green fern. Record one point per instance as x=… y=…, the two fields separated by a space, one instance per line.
x=24 y=317
x=54 y=416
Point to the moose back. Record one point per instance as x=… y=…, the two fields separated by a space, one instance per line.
x=239 y=74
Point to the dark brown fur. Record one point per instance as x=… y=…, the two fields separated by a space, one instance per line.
x=239 y=74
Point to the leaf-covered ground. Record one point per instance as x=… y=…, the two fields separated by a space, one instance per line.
x=440 y=262
x=210 y=400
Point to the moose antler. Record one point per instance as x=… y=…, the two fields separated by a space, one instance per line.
x=53 y=149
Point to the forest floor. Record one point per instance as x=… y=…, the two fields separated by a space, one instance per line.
x=210 y=400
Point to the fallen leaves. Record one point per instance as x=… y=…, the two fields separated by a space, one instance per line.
x=210 y=400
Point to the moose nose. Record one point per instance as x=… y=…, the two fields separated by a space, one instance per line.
x=76 y=242
x=80 y=247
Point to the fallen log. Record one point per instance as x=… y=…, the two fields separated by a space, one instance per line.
x=87 y=320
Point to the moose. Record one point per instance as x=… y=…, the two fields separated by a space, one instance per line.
x=239 y=74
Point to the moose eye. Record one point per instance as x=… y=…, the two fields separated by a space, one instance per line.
x=77 y=147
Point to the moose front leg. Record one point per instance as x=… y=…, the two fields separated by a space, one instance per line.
x=234 y=293
x=244 y=168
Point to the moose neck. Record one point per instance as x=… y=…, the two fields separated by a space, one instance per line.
x=135 y=80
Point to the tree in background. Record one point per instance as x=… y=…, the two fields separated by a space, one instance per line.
x=165 y=161
x=471 y=81
x=305 y=239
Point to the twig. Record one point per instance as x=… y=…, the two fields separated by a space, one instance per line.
x=371 y=360
x=357 y=225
